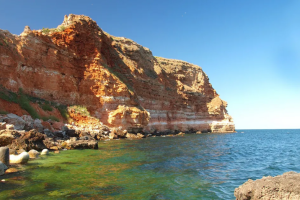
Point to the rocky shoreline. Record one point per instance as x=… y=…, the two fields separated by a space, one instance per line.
x=285 y=186
x=25 y=133
x=24 y=138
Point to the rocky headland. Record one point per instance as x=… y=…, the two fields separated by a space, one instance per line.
x=285 y=186
x=79 y=74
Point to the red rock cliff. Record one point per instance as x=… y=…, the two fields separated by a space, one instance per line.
x=119 y=81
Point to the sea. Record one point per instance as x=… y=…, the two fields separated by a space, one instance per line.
x=194 y=166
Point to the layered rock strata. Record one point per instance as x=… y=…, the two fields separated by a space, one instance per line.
x=119 y=81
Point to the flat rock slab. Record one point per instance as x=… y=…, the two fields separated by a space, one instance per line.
x=286 y=187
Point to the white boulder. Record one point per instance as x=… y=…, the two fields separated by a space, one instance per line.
x=19 y=159
x=45 y=152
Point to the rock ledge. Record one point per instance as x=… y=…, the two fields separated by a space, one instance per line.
x=285 y=186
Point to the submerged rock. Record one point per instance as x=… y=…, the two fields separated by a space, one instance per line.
x=82 y=144
x=19 y=159
x=286 y=186
x=134 y=136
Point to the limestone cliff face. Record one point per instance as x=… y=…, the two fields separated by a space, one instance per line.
x=119 y=81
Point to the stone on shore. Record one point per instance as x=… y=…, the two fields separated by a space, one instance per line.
x=19 y=159
x=28 y=122
x=8 y=136
x=37 y=124
x=17 y=121
x=30 y=140
x=286 y=186
x=4 y=155
x=45 y=152
x=3 y=168
x=33 y=153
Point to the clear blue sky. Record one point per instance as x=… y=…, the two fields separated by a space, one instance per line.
x=250 y=49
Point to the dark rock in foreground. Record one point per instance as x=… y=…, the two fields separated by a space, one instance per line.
x=30 y=140
x=286 y=186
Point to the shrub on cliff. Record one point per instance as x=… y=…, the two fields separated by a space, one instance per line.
x=46 y=106
x=45 y=30
x=81 y=110
x=25 y=104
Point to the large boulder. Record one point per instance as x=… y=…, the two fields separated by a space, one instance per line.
x=45 y=152
x=33 y=153
x=17 y=121
x=30 y=140
x=37 y=124
x=4 y=155
x=28 y=122
x=3 y=168
x=286 y=186
x=19 y=159
x=7 y=136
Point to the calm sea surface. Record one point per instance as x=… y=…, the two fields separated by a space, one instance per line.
x=206 y=166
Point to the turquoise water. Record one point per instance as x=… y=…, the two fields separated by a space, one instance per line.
x=206 y=166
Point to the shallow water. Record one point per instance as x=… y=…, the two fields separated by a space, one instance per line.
x=206 y=166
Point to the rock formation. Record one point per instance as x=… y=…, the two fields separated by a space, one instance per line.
x=118 y=81
x=286 y=186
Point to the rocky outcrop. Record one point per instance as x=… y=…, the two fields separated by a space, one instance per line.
x=29 y=140
x=8 y=136
x=119 y=81
x=286 y=186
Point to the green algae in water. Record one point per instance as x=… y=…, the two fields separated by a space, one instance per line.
x=206 y=166
x=118 y=170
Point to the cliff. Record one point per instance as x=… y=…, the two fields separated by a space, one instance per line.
x=118 y=81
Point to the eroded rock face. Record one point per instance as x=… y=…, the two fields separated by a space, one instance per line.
x=120 y=82
x=286 y=186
